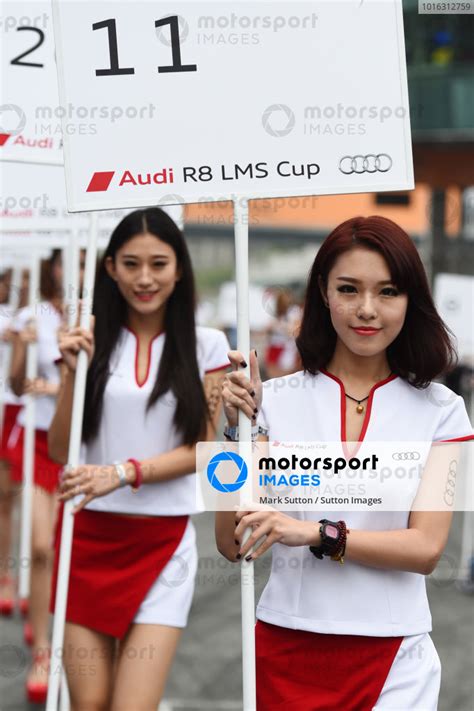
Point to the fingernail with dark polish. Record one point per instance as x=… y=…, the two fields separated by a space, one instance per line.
x=256 y=410
x=256 y=354
x=252 y=394
x=248 y=558
x=238 y=556
x=243 y=364
x=236 y=542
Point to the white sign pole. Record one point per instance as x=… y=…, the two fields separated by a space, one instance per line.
x=66 y=259
x=15 y=288
x=71 y=255
x=31 y=372
x=241 y=212
x=64 y=699
x=73 y=461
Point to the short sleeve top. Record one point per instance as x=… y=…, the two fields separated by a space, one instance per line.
x=128 y=430
x=48 y=321
x=319 y=595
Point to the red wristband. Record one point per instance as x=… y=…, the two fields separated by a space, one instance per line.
x=138 y=473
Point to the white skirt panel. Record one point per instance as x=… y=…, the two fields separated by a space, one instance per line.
x=169 y=599
x=414 y=679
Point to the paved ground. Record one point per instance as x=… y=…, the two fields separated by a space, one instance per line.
x=207 y=671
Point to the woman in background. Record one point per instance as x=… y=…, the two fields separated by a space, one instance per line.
x=39 y=324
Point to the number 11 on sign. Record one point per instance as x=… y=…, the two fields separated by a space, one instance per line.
x=115 y=69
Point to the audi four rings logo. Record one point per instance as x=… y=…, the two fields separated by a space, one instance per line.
x=371 y=163
x=403 y=456
x=450 y=488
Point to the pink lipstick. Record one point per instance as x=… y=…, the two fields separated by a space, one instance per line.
x=366 y=331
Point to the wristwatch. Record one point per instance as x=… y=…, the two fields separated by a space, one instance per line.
x=330 y=537
x=232 y=433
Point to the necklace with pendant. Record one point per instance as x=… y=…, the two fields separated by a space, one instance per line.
x=360 y=407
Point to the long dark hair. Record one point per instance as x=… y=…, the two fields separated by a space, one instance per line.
x=423 y=349
x=49 y=288
x=178 y=371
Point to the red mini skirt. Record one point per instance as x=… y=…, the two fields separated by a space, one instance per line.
x=308 y=671
x=46 y=471
x=273 y=353
x=9 y=418
x=115 y=560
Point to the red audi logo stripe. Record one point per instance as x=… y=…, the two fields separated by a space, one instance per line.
x=4 y=138
x=100 y=181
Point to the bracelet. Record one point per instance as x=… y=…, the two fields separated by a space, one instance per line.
x=121 y=473
x=339 y=553
x=138 y=475
x=232 y=433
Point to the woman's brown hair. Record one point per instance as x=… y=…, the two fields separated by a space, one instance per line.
x=423 y=349
x=48 y=287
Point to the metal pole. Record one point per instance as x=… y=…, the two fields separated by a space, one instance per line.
x=241 y=213
x=31 y=373
x=73 y=461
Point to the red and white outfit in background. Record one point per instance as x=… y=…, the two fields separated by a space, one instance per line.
x=134 y=556
x=47 y=320
x=12 y=403
x=281 y=350
x=352 y=637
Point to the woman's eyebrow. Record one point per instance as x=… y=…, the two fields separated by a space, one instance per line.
x=154 y=256
x=357 y=281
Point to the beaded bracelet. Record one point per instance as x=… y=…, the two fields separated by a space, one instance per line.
x=338 y=554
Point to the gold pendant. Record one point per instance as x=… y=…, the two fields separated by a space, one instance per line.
x=360 y=408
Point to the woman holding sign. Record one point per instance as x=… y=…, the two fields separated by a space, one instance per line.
x=153 y=390
x=344 y=621
x=11 y=405
x=39 y=323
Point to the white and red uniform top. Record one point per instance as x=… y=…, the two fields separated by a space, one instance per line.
x=320 y=595
x=6 y=322
x=47 y=320
x=128 y=430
